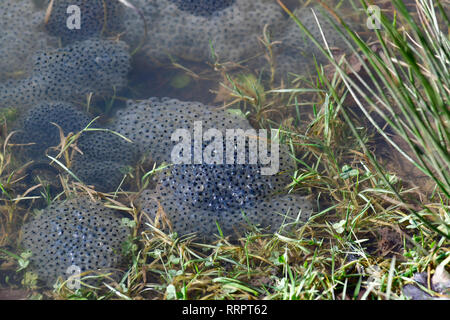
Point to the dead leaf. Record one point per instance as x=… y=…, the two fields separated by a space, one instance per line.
x=12 y=294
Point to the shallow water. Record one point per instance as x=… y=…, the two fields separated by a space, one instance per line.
x=175 y=61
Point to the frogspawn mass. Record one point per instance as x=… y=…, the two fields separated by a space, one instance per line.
x=52 y=74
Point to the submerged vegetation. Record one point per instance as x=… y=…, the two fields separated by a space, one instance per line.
x=370 y=134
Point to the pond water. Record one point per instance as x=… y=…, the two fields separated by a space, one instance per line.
x=144 y=71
